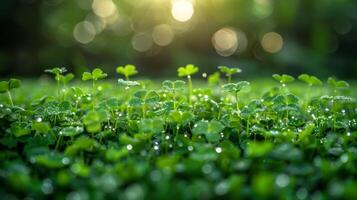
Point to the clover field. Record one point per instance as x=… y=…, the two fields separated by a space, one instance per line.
x=218 y=138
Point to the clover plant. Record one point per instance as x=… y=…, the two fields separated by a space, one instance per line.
x=229 y=72
x=188 y=71
x=127 y=71
x=166 y=139
x=7 y=86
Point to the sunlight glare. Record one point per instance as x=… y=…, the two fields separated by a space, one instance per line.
x=182 y=10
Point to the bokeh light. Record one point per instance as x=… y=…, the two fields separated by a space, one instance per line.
x=84 y=32
x=169 y=32
x=272 y=42
x=162 y=35
x=225 y=41
x=262 y=8
x=98 y=23
x=142 y=42
x=104 y=8
x=182 y=10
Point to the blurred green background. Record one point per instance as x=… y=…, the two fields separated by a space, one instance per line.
x=259 y=36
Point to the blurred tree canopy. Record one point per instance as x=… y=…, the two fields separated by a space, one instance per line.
x=260 y=36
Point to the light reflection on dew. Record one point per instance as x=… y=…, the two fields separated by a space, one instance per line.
x=129 y=147
x=190 y=148
x=207 y=168
x=65 y=161
x=282 y=180
x=47 y=187
x=301 y=193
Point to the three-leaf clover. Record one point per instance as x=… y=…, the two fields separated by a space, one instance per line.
x=7 y=86
x=209 y=129
x=214 y=78
x=95 y=75
x=127 y=71
x=174 y=87
x=143 y=98
x=337 y=83
x=284 y=78
x=59 y=77
x=57 y=72
x=235 y=88
x=153 y=126
x=229 y=71
x=93 y=119
x=187 y=71
x=310 y=80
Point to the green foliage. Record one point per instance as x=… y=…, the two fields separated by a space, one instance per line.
x=235 y=87
x=93 y=119
x=66 y=78
x=151 y=126
x=127 y=71
x=283 y=78
x=188 y=70
x=41 y=127
x=172 y=86
x=258 y=149
x=6 y=86
x=179 y=117
x=311 y=80
x=229 y=71
x=337 y=83
x=57 y=72
x=155 y=142
x=95 y=75
x=214 y=78
x=210 y=129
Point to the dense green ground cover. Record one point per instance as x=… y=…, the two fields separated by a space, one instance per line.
x=184 y=139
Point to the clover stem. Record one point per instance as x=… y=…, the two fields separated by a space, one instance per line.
x=229 y=78
x=247 y=128
x=307 y=98
x=55 y=119
x=64 y=96
x=93 y=93
x=126 y=77
x=237 y=103
x=334 y=116
x=176 y=133
x=10 y=98
x=189 y=89
x=143 y=110
x=174 y=99
x=58 y=89
x=58 y=142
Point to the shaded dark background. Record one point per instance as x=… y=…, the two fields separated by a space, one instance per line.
x=319 y=36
